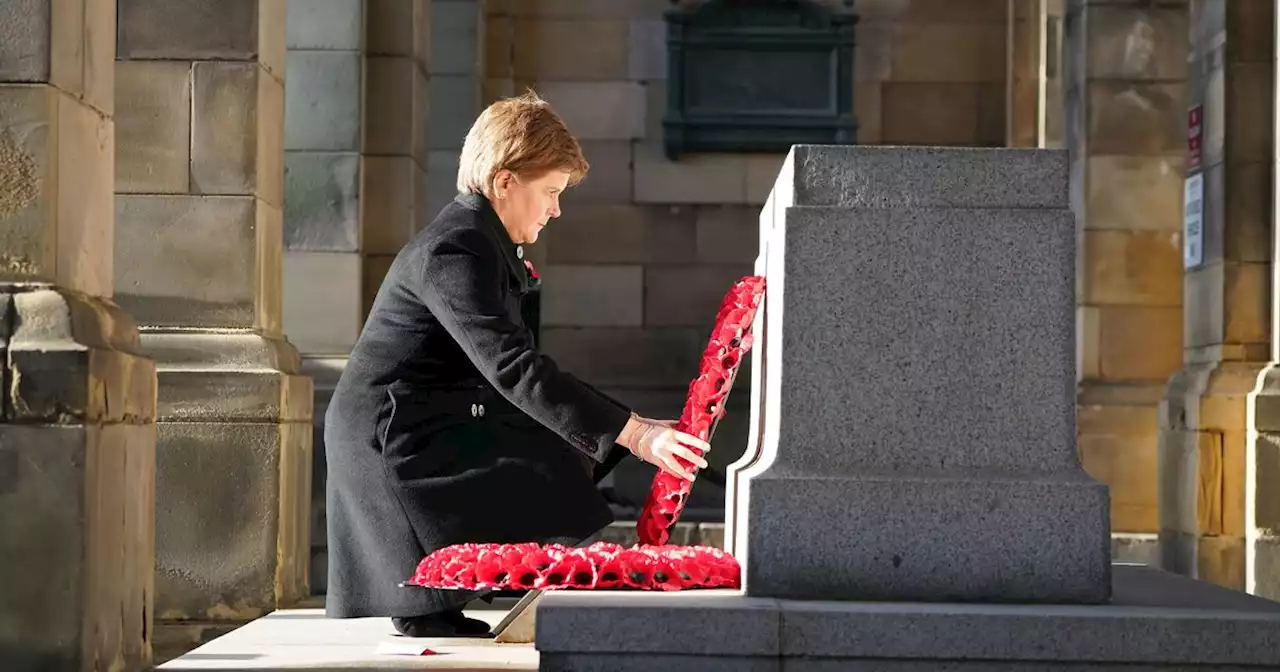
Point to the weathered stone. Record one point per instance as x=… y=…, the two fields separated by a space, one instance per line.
x=693 y=179
x=374 y=273
x=540 y=52
x=79 y=467
x=153 y=127
x=224 y=128
x=395 y=91
x=622 y=234
x=268 y=226
x=975 y=52
x=929 y=113
x=99 y=54
x=1136 y=118
x=609 y=179
x=686 y=295
x=26 y=41
x=388 y=187
x=322 y=301
x=389 y=27
x=322 y=202
x=455 y=26
x=325 y=24
x=454 y=104
x=270 y=140
x=607 y=110
x=250 y=552
x=727 y=234
x=656 y=357
x=442 y=179
x=28 y=159
x=57 y=155
x=1115 y=31
x=207 y=276
x=647 y=49
x=189 y=29
x=592 y=296
x=1132 y=192
x=323 y=101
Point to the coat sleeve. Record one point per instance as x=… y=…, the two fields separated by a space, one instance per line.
x=462 y=285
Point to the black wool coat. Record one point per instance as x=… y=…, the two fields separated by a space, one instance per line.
x=449 y=426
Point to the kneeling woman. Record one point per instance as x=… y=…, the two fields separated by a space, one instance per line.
x=448 y=425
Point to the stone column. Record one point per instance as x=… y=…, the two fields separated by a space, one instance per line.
x=1214 y=479
x=1126 y=132
x=356 y=108
x=77 y=396
x=200 y=91
x=1026 y=57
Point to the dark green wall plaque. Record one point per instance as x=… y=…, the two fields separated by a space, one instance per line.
x=758 y=76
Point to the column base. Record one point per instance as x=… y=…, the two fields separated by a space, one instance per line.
x=1202 y=476
x=977 y=537
x=233 y=476
x=1117 y=438
x=77 y=465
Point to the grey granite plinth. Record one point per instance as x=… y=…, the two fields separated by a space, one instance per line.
x=1155 y=621
x=914 y=385
x=981 y=537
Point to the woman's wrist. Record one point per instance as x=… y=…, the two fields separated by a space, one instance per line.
x=631 y=432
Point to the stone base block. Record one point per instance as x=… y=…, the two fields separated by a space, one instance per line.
x=232 y=536
x=77 y=479
x=1155 y=621
x=979 y=537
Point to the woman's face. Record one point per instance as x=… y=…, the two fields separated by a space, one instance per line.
x=525 y=205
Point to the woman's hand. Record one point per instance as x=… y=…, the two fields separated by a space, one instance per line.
x=656 y=442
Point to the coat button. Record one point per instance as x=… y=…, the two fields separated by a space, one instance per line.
x=482 y=410
x=474 y=410
x=519 y=252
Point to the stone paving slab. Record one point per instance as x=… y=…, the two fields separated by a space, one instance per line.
x=303 y=639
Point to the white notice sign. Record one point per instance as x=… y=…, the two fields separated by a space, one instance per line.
x=1193 y=221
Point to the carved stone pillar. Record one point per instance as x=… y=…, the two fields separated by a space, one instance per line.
x=1218 y=437
x=1125 y=71
x=199 y=183
x=77 y=396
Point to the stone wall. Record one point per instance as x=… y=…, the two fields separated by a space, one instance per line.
x=1217 y=441
x=199 y=199
x=1125 y=128
x=636 y=266
x=77 y=394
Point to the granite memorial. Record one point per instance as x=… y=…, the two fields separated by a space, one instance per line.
x=911 y=497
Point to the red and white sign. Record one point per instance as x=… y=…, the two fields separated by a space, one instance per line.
x=1195 y=131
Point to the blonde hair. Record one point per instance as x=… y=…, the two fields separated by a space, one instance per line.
x=522 y=135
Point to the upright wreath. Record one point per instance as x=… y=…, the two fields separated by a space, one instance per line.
x=651 y=564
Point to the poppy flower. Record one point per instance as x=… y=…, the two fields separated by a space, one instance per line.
x=578 y=570
x=609 y=573
x=490 y=570
x=665 y=576
x=637 y=570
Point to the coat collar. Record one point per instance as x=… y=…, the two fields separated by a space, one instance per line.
x=478 y=203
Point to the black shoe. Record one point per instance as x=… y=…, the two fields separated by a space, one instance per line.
x=424 y=626
x=466 y=627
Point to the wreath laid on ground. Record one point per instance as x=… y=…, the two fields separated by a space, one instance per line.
x=651 y=564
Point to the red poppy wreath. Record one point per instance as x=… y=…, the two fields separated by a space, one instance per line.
x=651 y=564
